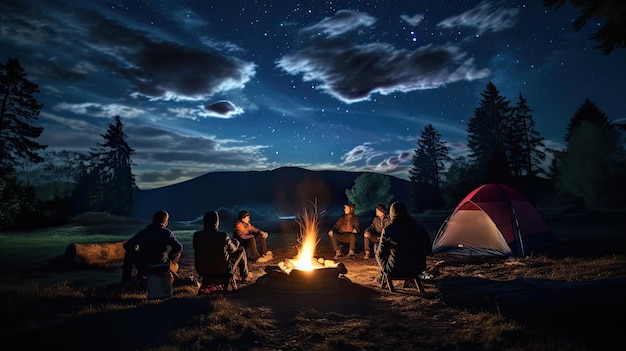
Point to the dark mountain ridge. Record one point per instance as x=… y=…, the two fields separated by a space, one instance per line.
x=282 y=192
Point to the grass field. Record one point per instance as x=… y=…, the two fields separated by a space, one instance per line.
x=569 y=299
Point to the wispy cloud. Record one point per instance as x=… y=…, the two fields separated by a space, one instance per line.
x=485 y=17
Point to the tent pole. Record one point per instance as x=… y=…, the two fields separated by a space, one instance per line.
x=515 y=223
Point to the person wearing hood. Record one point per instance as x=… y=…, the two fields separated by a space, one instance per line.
x=404 y=245
x=215 y=253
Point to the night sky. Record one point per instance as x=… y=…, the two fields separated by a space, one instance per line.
x=205 y=86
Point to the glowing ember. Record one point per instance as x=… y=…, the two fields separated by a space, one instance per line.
x=308 y=239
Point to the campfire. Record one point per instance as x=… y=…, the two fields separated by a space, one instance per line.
x=305 y=271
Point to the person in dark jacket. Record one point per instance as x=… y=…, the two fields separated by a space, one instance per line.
x=345 y=230
x=404 y=245
x=215 y=252
x=155 y=244
x=250 y=236
x=371 y=234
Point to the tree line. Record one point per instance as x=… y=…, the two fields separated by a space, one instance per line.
x=504 y=147
x=73 y=182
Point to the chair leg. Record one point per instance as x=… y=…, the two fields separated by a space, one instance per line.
x=418 y=284
x=233 y=283
x=390 y=284
x=385 y=282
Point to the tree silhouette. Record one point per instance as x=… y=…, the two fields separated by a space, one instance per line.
x=18 y=111
x=587 y=112
x=430 y=158
x=487 y=135
x=525 y=143
x=107 y=182
x=596 y=173
x=612 y=34
x=428 y=169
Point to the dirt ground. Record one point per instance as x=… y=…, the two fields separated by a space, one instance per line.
x=535 y=292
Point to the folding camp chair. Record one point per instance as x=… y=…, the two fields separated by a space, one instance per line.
x=387 y=281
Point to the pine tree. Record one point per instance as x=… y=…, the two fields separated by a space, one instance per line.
x=587 y=112
x=526 y=144
x=428 y=170
x=595 y=174
x=430 y=158
x=487 y=133
x=18 y=111
x=107 y=183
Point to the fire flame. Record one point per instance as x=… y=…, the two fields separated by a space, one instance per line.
x=308 y=239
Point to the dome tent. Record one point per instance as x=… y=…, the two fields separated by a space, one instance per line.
x=493 y=220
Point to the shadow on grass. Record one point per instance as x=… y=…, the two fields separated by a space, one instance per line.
x=590 y=312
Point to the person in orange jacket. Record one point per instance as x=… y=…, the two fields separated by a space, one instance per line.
x=250 y=236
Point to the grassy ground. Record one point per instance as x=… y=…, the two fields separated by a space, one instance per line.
x=568 y=299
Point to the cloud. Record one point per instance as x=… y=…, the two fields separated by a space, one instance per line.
x=413 y=20
x=358 y=153
x=343 y=21
x=391 y=164
x=157 y=68
x=159 y=145
x=484 y=17
x=168 y=71
x=352 y=73
x=222 y=109
x=99 y=110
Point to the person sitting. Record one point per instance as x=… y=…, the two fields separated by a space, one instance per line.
x=215 y=253
x=371 y=234
x=404 y=245
x=345 y=231
x=155 y=244
x=249 y=236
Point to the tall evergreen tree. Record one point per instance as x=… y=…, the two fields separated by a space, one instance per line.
x=430 y=158
x=18 y=111
x=487 y=135
x=107 y=181
x=526 y=144
x=587 y=112
x=595 y=174
x=428 y=170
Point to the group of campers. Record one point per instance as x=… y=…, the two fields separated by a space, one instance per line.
x=398 y=243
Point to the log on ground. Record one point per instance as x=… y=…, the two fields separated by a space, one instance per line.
x=104 y=254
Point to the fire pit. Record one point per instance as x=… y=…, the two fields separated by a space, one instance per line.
x=325 y=276
x=305 y=272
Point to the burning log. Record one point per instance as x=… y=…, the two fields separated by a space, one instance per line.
x=326 y=275
x=305 y=272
